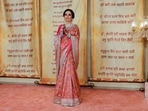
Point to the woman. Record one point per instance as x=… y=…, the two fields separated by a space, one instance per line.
x=67 y=91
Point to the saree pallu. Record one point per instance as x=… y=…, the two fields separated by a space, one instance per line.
x=67 y=91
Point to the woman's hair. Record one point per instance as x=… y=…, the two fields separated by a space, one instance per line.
x=72 y=13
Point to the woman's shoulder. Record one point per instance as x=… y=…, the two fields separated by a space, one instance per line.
x=61 y=25
x=75 y=25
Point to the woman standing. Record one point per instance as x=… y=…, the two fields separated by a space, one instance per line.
x=67 y=91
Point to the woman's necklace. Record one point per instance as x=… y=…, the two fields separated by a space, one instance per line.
x=68 y=25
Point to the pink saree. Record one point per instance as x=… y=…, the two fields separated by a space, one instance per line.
x=67 y=91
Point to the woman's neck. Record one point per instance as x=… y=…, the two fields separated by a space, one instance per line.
x=67 y=24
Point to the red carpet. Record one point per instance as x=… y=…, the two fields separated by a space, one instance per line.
x=14 y=97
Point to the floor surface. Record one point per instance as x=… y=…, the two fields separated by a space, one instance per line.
x=20 y=97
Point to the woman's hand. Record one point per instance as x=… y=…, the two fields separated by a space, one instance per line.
x=65 y=31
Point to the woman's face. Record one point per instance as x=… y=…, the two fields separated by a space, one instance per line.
x=68 y=17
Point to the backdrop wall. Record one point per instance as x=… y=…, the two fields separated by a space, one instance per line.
x=28 y=28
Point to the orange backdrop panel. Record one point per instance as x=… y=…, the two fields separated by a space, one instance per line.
x=51 y=15
x=19 y=40
x=116 y=56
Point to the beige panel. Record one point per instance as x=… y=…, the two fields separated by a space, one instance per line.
x=19 y=38
x=51 y=16
x=115 y=55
